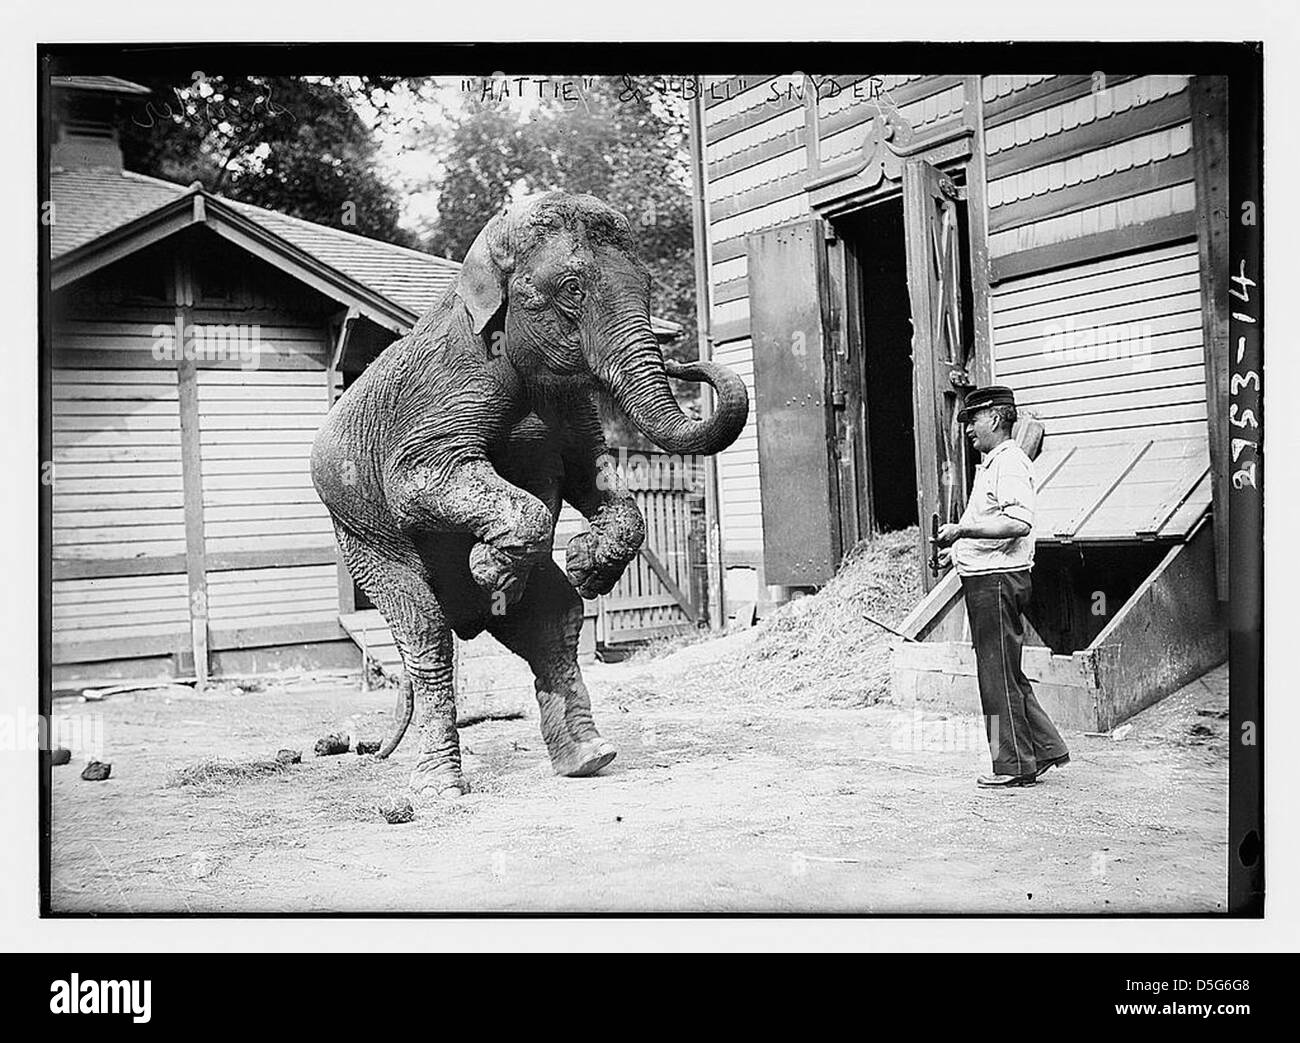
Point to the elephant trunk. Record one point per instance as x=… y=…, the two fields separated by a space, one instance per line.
x=640 y=386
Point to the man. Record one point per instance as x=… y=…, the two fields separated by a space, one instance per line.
x=993 y=550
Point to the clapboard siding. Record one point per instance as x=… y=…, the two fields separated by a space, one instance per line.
x=1081 y=161
x=1088 y=167
x=1106 y=346
x=1090 y=203
x=248 y=598
x=740 y=512
x=757 y=164
x=110 y=618
x=994 y=87
x=256 y=432
x=117 y=465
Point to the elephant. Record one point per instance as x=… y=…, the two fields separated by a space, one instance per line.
x=443 y=466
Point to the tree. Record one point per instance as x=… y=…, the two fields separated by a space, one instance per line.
x=627 y=147
x=293 y=144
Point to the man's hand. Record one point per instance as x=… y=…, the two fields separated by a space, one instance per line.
x=945 y=558
x=949 y=534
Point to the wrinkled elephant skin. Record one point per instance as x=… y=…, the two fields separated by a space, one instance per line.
x=445 y=464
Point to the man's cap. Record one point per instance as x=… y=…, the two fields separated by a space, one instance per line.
x=982 y=398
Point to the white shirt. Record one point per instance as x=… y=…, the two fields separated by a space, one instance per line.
x=1004 y=487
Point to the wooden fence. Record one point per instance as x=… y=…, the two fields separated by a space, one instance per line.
x=663 y=590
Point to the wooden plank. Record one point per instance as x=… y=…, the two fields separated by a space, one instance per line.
x=136 y=516
x=772 y=148
x=1145 y=178
x=1170 y=421
x=620 y=634
x=1209 y=101
x=1096 y=270
x=1080 y=283
x=1132 y=123
x=254 y=636
x=144 y=565
x=119 y=587
x=1089 y=508
x=750 y=118
x=727 y=332
x=251 y=559
x=1167 y=634
x=977 y=218
x=311 y=545
x=1045 y=95
x=1170 y=328
x=1171 y=352
x=958 y=658
x=1131 y=238
x=100 y=650
x=192 y=479
x=932 y=606
x=1179 y=493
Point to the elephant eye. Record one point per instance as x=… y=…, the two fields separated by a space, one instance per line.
x=571 y=288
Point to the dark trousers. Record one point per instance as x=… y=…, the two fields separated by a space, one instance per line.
x=1020 y=732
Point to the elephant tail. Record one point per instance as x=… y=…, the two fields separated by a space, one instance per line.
x=405 y=707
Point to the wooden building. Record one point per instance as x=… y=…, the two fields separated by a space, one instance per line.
x=874 y=245
x=194 y=345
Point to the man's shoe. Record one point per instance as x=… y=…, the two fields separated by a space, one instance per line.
x=1052 y=762
x=1005 y=781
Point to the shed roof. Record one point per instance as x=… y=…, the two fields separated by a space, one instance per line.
x=1123 y=490
x=89 y=204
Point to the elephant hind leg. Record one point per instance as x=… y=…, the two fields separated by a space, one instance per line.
x=543 y=630
x=392 y=575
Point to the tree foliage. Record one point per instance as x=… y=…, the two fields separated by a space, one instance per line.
x=630 y=152
x=293 y=144
x=626 y=147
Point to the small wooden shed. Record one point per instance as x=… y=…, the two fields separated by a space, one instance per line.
x=193 y=344
x=876 y=244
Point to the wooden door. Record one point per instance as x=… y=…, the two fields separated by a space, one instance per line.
x=788 y=315
x=942 y=356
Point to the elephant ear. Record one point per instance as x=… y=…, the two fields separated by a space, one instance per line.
x=482 y=282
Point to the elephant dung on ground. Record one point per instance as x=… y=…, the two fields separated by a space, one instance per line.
x=444 y=465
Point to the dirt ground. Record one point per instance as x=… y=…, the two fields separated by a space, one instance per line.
x=784 y=804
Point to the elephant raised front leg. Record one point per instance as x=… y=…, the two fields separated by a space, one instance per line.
x=513 y=527
x=544 y=631
x=392 y=575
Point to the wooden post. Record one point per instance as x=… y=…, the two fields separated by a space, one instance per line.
x=191 y=473
x=333 y=389
x=717 y=605
x=1209 y=103
x=977 y=217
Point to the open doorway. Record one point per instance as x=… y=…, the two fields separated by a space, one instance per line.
x=874 y=236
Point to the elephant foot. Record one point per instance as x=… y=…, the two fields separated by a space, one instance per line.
x=432 y=785
x=585 y=758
